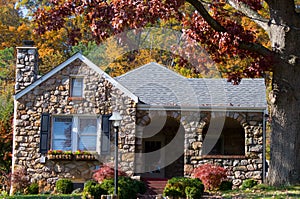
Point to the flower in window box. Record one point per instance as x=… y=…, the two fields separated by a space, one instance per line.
x=59 y=155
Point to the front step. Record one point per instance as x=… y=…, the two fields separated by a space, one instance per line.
x=155 y=186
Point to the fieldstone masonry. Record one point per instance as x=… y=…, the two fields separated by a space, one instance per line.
x=52 y=96
x=102 y=97
x=240 y=167
x=26 y=67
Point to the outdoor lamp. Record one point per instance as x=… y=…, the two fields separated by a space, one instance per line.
x=116 y=120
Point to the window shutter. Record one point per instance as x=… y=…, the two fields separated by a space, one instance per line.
x=45 y=132
x=105 y=134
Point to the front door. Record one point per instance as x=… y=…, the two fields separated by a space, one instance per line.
x=153 y=164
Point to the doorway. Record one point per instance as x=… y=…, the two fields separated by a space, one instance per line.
x=163 y=153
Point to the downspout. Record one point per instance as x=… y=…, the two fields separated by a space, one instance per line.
x=264 y=146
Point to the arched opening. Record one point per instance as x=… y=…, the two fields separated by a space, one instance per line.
x=231 y=141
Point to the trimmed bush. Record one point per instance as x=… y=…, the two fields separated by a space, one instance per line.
x=249 y=183
x=93 y=190
x=128 y=188
x=210 y=175
x=225 y=186
x=106 y=172
x=33 y=188
x=193 y=192
x=183 y=187
x=64 y=186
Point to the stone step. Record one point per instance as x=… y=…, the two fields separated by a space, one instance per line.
x=155 y=186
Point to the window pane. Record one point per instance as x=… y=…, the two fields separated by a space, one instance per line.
x=62 y=128
x=77 y=84
x=87 y=135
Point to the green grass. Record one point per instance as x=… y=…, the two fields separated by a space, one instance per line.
x=264 y=191
x=62 y=196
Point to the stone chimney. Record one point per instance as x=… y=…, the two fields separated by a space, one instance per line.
x=27 y=65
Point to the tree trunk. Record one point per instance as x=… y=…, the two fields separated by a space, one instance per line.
x=285 y=95
x=285 y=136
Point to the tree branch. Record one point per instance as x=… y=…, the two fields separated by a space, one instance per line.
x=246 y=10
x=253 y=47
x=203 y=12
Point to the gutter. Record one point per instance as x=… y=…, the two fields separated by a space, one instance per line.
x=146 y=107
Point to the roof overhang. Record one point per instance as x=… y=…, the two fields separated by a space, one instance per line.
x=146 y=107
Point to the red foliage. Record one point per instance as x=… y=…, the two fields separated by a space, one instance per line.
x=20 y=179
x=210 y=175
x=106 y=172
x=106 y=18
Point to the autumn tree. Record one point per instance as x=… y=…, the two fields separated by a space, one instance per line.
x=218 y=27
x=6 y=117
x=7 y=74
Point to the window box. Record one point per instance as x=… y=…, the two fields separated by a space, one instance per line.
x=84 y=155
x=59 y=155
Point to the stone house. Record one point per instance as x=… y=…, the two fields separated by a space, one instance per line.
x=170 y=124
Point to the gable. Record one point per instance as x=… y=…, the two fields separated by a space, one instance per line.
x=67 y=63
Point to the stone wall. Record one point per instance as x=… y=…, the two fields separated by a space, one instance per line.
x=240 y=167
x=52 y=96
x=26 y=67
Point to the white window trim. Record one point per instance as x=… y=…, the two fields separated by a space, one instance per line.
x=71 y=85
x=74 y=132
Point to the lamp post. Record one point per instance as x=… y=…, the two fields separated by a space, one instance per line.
x=116 y=120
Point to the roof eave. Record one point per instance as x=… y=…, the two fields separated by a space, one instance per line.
x=201 y=108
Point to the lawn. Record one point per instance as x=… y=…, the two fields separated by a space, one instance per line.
x=257 y=192
x=44 y=196
x=263 y=191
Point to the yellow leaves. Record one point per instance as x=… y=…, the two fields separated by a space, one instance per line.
x=11 y=28
x=23 y=27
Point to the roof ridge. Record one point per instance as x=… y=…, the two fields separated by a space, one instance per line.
x=149 y=64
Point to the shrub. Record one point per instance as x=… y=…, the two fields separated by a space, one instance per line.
x=249 y=183
x=225 y=186
x=193 y=192
x=64 y=186
x=210 y=175
x=33 y=188
x=20 y=180
x=106 y=172
x=183 y=187
x=93 y=190
x=5 y=181
x=128 y=188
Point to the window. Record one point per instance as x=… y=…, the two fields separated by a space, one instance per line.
x=75 y=133
x=62 y=134
x=230 y=142
x=87 y=134
x=77 y=87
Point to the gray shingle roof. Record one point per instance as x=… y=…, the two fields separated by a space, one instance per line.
x=156 y=85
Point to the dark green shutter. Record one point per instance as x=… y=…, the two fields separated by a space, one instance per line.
x=45 y=132
x=105 y=134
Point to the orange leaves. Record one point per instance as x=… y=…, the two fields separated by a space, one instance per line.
x=107 y=18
